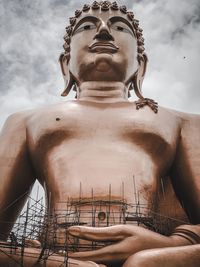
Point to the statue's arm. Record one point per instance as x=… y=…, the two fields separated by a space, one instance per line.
x=186 y=171
x=16 y=175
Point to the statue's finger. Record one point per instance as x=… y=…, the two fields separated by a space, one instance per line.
x=57 y=261
x=112 y=233
x=75 y=263
x=116 y=252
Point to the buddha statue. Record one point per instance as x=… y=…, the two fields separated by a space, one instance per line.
x=119 y=173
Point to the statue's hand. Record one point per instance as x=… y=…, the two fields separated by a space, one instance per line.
x=127 y=240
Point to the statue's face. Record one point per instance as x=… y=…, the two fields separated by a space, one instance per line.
x=103 y=47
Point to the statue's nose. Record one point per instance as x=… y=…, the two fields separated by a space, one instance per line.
x=104 y=33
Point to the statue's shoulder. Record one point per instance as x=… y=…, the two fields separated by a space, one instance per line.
x=185 y=116
x=15 y=123
x=177 y=113
x=18 y=118
x=42 y=112
x=187 y=119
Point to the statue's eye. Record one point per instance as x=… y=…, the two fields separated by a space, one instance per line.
x=85 y=27
x=121 y=27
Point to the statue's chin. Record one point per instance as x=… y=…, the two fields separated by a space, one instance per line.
x=103 y=62
x=98 y=67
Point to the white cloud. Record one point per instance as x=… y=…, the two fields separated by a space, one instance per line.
x=172 y=31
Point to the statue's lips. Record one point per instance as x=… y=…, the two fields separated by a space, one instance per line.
x=103 y=47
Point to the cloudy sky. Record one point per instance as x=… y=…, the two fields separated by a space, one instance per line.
x=31 y=41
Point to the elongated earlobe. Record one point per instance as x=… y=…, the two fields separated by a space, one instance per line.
x=67 y=75
x=69 y=83
x=136 y=85
x=139 y=77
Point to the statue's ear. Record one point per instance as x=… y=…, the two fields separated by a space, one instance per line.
x=138 y=76
x=67 y=76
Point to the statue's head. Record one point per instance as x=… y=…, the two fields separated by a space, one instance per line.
x=103 y=43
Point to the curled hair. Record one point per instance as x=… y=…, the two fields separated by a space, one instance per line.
x=105 y=6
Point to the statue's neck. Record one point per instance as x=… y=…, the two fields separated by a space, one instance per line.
x=105 y=92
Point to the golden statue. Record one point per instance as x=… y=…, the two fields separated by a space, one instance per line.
x=105 y=155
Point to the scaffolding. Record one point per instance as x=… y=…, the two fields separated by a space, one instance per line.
x=47 y=230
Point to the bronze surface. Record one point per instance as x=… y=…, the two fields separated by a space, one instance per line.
x=109 y=147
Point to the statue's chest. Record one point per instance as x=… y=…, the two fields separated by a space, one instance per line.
x=139 y=127
x=143 y=129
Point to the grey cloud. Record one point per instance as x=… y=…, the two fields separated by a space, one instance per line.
x=32 y=32
x=172 y=31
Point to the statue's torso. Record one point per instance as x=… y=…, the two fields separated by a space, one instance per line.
x=103 y=152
